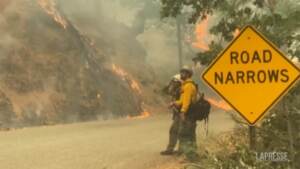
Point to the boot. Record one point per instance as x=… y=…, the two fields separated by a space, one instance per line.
x=167 y=152
x=178 y=152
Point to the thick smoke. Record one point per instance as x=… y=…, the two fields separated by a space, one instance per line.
x=133 y=33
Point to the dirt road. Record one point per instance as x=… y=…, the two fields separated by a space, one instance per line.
x=115 y=144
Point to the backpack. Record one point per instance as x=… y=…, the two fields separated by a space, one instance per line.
x=200 y=109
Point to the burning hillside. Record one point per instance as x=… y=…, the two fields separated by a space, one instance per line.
x=49 y=7
x=127 y=78
x=50 y=72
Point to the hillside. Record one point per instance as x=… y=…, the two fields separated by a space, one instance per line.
x=51 y=71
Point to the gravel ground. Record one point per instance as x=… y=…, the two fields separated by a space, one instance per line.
x=114 y=144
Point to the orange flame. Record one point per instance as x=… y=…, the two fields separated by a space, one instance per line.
x=236 y=32
x=49 y=7
x=201 y=35
x=220 y=104
x=142 y=116
x=119 y=71
x=126 y=77
x=135 y=86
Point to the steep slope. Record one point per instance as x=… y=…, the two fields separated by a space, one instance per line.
x=51 y=73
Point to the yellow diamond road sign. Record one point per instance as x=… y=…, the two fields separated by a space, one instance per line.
x=251 y=74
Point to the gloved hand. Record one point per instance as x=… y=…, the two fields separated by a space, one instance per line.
x=171 y=105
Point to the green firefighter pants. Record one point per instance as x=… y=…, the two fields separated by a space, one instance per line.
x=174 y=132
x=187 y=138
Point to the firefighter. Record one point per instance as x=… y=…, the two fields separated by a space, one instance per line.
x=187 y=126
x=174 y=89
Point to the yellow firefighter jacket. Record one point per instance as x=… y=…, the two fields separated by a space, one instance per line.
x=188 y=95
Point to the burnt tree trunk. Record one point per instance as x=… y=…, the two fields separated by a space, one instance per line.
x=179 y=41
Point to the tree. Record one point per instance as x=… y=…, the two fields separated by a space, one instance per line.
x=277 y=20
x=198 y=8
